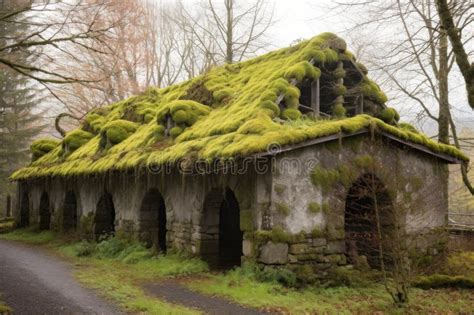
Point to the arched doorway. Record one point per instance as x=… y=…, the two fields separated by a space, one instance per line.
x=222 y=247
x=104 y=222
x=44 y=212
x=368 y=205
x=70 y=211
x=153 y=220
x=24 y=210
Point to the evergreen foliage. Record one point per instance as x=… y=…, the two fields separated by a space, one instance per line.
x=19 y=115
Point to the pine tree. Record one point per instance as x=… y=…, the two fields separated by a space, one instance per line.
x=20 y=117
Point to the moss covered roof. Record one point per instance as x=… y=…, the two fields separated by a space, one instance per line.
x=231 y=111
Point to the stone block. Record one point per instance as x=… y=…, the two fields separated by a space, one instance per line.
x=274 y=253
x=319 y=242
x=247 y=248
x=300 y=248
x=335 y=247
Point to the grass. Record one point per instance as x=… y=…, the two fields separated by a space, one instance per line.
x=243 y=288
x=6 y=224
x=4 y=308
x=107 y=268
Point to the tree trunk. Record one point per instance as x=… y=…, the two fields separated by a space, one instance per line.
x=462 y=58
x=229 y=4
x=443 y=117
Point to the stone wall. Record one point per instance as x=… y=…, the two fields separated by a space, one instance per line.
x=299 y=207
x=286 y=217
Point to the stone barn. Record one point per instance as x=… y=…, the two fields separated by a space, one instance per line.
x=289 y=158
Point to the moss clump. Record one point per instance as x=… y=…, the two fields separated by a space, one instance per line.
x=325 y=208
x=339 y=90
x=317 y=233
x=273 y=108
x=339 y=110
x=75 y=139
x=291 y=114
x=276 y=235
x=366 y=162
x=362 y=68
x=389 y=115
x=41 y=147
x=302 y=70
x=339 y=73
x=283 y=209
x=279 y=188
x=324 y=178
x=314 y=207
x=116 y=131
x=407 y=127
x=176 y=131
x=94 y=122
x=371 y=90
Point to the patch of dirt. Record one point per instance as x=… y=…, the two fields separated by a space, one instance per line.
x=173 y=291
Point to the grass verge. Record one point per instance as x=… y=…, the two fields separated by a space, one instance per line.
x=116 y=268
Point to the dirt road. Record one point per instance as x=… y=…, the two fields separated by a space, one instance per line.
x=32 y=282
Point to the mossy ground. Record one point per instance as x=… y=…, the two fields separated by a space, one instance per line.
x=4 y=308
x=122 y=282
x=239 y=117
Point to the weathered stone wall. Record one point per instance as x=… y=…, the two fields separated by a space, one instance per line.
x=286 y=218
x=415 y=182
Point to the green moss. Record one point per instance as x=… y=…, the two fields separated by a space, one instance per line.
x=338 y=110
x=176 y=131
x=276 y=235
x=324 y=178
x=283 y=209
x=291 y=114
x=314 y=207
x=279 y=188
x=371 y=90
x=317 y=233
x=246 y=220
x=366 y=162
x=389 y=115
x=229 y=112
x=407 y=127
x=117 y=131
x=437 y=281
x=339 y=89
x=339 y=73
x=41 y=147
x=75 y=139
x=325 y=208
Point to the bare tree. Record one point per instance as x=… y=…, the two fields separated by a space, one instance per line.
x=229 y=32
x=416 y=60
x=52 y=31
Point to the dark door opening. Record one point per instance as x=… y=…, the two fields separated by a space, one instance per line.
x=153 y=220
x=44 y=212
x=24 y=210
x=70 y=211
x=366 y=195
x=230 y=235
x=104 y=216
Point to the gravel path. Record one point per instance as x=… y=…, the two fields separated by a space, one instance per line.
x=32 y=282
x=172 y=291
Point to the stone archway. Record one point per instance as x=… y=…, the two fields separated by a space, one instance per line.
x=70 y=211
x=221 y=245
x=44 y=212
x=152 y=220
x=367 y=200
x=24 y=210
x=104 y=221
